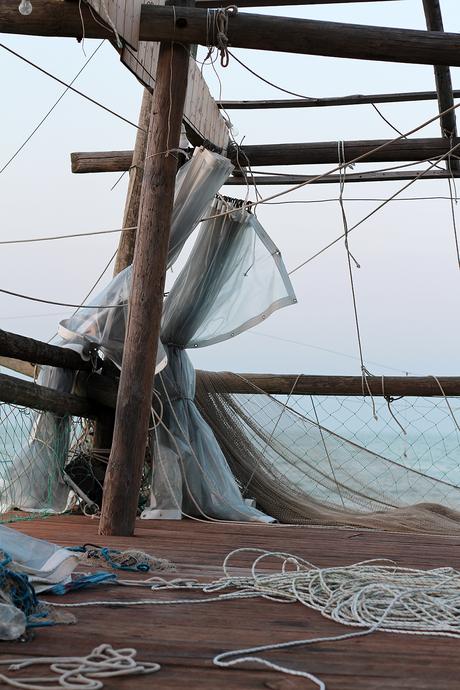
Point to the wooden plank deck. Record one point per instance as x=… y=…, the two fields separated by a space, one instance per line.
x=185 y=638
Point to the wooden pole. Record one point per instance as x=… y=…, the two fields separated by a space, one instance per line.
x=124 y=471
x=318 y=152
x=125 y=252
x=448 y=121
x=284 y=34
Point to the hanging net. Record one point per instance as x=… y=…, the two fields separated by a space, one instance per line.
x=39 y=455
x=328 y=461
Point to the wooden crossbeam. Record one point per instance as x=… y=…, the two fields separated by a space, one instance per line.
x=17 y=392
x=276 y=3
x=288 y=154
x=37 y=352
x=286 y=384
x=358 y=99
x=289 y=180
x=284 y=34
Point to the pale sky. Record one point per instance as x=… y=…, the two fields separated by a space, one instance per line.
x=408 y=285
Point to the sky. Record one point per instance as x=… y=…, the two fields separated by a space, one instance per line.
x=407 y=288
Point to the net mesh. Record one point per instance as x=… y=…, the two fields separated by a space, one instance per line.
x=329 y=461
x=50 y=453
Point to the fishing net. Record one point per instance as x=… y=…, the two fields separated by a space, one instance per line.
x=328 y=461
x=39 y=455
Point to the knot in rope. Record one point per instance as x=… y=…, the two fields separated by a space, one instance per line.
x=219 y=25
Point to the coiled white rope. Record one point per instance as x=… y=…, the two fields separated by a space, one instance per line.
x=370 y=595
x=79 y=672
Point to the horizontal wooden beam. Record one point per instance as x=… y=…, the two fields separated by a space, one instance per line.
x=100 y=161
x=285 y=384
x=391 y=176
x=245 y=30
x=18 y=392
x=304 y=36
x=99 y=392
x=37 y=352
x=327 y=152
x=288 y=154
x=277 y=3
x=24 y=368
x=356 y=99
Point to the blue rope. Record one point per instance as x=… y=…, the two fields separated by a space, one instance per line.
x=17 y=587
x=83 y=582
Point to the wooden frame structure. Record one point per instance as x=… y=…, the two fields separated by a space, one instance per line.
x=152 y=40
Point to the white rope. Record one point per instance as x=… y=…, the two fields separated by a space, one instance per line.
x=370 y=595
x=79 y=673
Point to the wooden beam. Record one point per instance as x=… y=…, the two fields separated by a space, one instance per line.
x=325 y=152
x=37 y=352
x=392 y=176
x=283 y=384
x=18 y=392
x=124 y=470
x=304 y=36
x=19 y=367
x=102 y=390
x=284 y=34
x=101 y=161
x=358 y=99
x=127 y=241
x=276 y=3
x=448 y=121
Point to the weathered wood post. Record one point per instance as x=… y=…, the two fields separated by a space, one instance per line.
x=125 y=252
x=124 y=471
x=104 y=425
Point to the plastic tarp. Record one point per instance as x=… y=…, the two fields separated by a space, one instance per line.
x=103 y=326
x=233 y=279
x=34 y=479
x=44 y=563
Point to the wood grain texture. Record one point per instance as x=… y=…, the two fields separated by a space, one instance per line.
x=123 y=477
x=184 y=639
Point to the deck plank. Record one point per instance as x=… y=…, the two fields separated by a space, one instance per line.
x=184 y=638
